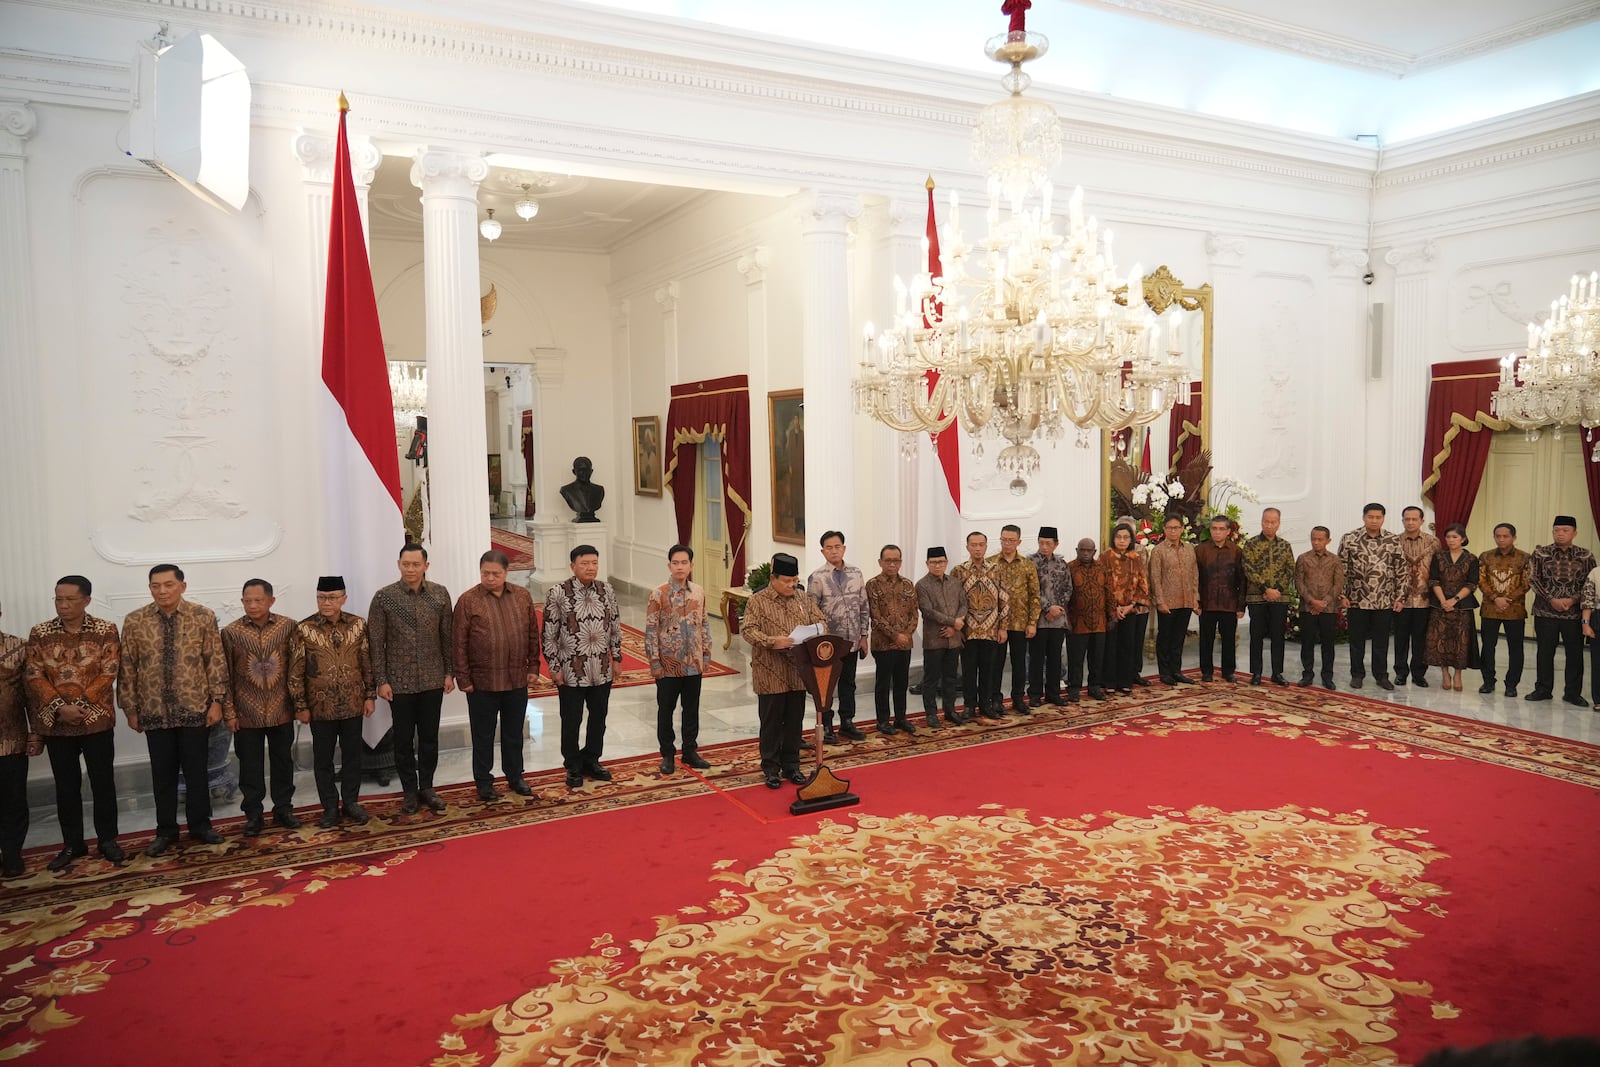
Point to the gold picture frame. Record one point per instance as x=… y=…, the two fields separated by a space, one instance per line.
x=647 y=470
x=786 y=431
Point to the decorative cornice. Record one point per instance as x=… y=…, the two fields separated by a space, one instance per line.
x=1412 y=260
x=448 y=173
x=17 y=123
x=549 y=365
x=827 y=213
x=1347 y=262
x=753 y=265
x=1226 y=250
x=315 y=152
x=667 y=298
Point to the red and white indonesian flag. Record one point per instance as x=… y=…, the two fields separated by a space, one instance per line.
x=361 y=462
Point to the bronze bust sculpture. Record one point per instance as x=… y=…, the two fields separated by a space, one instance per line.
x=582 y=495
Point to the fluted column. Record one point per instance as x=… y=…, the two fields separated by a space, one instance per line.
x=1231 y=441
x=897 y=474
x=25 y=587
x=826 y=362
x=1407 y=373
x=453 y=336
x=1343 y=381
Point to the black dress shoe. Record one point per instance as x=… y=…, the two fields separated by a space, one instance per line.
x=1511 y=690
x=1487 y=687
x=828 y=736
x=773 y=780
x=1278 y=679
x=1142 y=682
x=574 y=780
x=1096 y=694
x=1356 y=680
x=1230 y=679
x=848 y=729
x=13 y=867
x=520 y=787
x=1184 y=679
x=1065 y=701
x=1575 y=701
x=1205 y=677
x=356 y=813
x=905 y=727
x=161 y=843
x=208 y=836
x=887 y=729
x=286 y=818
x=935 y=724
x=669 y=765
x=1059 y=699
x=797 y=776
x=597 y=772
x=329 y=819
x=1021 y=707
x=1305 y=681
x=1400 y=677
x=487 y=794
x=433 y=800
x=252 y=826
x=1386 y=684
x=1327 y=683
x=408 y=805
x=112 y=853
x=1255 y=679
x=1537 y=694
x=1420 y=683
x=693 y=759
x=64 y=858
x=807 y=746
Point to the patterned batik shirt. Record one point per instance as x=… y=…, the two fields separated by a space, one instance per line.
x=1374 y=569
x=497 y=639
x=410 y=635
x=942 y=601
x=1222 y=581
x=1268 y=564
x=840 y=593
x=73 y=668
x=13 y=696
x=258 y=672
x=173 y=668
x=1055 y=589
x=677 y=635
x=1419 y=549
x=330 y=667
x=1507 y=574
x=1127 y=583
x=1319 y=576
x=892 y=603
x=1090 y=603
x=987 y=600
x=1559 y=573
x=769 y=615
x=582 y=632
x=1021 y=581
x=1175 y=576
x=1591 y=597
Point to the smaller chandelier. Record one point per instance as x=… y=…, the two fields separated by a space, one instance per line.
x=1556 y=382
x=490 y=227
x=527 y=207
x=408 y=385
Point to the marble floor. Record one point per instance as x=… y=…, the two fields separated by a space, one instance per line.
x=728 y=714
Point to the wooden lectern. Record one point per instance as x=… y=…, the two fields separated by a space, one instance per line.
x=820 y=660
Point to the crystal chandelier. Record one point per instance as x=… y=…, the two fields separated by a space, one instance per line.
x=408 y=384
x=1556 y=383
x=1044 y=330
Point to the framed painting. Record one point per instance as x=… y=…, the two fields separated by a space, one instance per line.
x=647 y=455
x=786 y=424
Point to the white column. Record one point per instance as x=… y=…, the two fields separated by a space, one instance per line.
x=826 y=362
x=667 y=300
x=1407 y=374
x=900 y=477
x=753 y=266
x=1230 y=444
x=1343 y=380
x=521 y=400
x=551 y=528
x=25 y=588
x=457 y=441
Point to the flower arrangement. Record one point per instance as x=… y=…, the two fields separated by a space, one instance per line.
x=1150 y=502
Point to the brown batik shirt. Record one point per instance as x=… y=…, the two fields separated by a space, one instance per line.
x=1559 y=573
x=409 y=634
x=769 y=615
x=1319 y=576
x=1222 y=579
x=987 y=599
x=1374 y=569
x=1419 y=549
x=496 y=639
x=330 y=667
x=13 y=696
x=173 y=668
x=1090 y=603
x=1174 y=576
x=258 y=672
x=893 y=605
x=1505 y=574
x=73 y=668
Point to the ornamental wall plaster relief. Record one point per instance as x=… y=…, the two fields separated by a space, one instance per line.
x=1491 y=302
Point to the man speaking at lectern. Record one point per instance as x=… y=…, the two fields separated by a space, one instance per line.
x=770 y=618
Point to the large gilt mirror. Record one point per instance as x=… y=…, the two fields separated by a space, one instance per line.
x=1175 y=442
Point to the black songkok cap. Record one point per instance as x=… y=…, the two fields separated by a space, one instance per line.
x=1050 y=532
x=330 y=583
x=785 y=564
x=936 y=552
x=1565 y=520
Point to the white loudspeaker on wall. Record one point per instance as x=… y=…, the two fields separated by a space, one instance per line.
x=191 y=117
x=1375 y=342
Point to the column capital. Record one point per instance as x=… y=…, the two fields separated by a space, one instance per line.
x=1226 y=250
x=1347 y=262
x=315 y=153
x=753 y=265
x=1412 y=259
x=547 y=365
x=622 y=314
x=447 y=172
x=828 y=213
x=17 y=123
x=667 y=297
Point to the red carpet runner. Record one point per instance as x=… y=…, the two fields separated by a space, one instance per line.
x=1185 y=879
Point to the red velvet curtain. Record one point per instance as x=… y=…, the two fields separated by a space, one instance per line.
x=1184 y=428
x=1591 y=472
x=720 y=408
x=1455 y=446
x=527 y=459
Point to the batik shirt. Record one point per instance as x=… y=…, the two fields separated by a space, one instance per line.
x=942 y=601
x=410 y=635
x=987 y=600
x=13 y=696
x=258 y=672
x=1319 y=577
x=1374 y=569
x=1222 y=581
x=1055 y=589
x=1268 y=564
x=496 y=638
x=330 y=667
x=1419 y=550
x=1126 y=581
x=173 y=668
x=768 y=616
x=1021 y=581
x=840 y=593
x=1089 y=605
x=582 y=632
x=677 y=635
x=892 y=603
x=1591 y=597
x=73 y=668
x=1505 y=574
x=1174 y=576
x=1559 y=573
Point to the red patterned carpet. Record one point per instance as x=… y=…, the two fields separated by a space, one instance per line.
x=516 y=546
x=634 y=668
x=1183 y=878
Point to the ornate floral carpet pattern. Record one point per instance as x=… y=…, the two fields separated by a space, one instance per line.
x=634 y=668
x=1181 y=878
x=517 y=546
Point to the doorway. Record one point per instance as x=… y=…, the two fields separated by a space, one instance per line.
x=1527 y=483
x=713 y=554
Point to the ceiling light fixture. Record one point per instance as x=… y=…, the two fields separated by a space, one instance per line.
x=490 y=227
x=527 y=207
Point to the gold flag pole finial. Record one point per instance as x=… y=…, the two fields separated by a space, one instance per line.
x=344 y=105
x=930 y=183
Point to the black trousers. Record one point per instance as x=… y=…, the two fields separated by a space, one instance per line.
x=1369 y=624
x=1124 y=657
x=941 y=672
x=574 y=699
x=977 y=673
x=1044 y=666
x=507 y=711
x=1211 y=624
x=1317 y=630
x=1081 y=648
x=669 y=691
x=845 y=694
x=14 y=805
x=1141 y=629
x=783 y=719
x=1548 y=633
x=1515 y=630
x=98 y=752
x=346 y=733
x=894 y=674
x=1170 y=631
x=1269 y=621
x=1016 y=647
x=1410 y=641
x=254 y=748
x=170 y=749
x=416 y=737
x=1594 y=665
